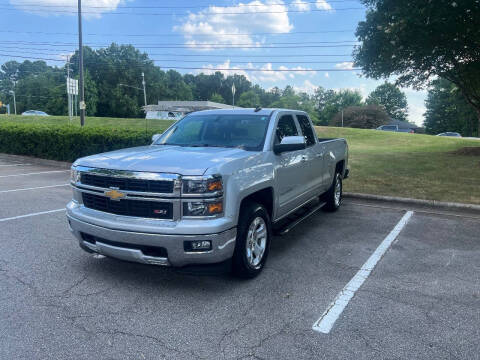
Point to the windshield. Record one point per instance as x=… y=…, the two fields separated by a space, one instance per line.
x=243 y=131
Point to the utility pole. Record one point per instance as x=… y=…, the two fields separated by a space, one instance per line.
x=68 y=90
x=14 y=101
x=80 y=65
x=233 y=94
x=342 y=117
x=144 y=91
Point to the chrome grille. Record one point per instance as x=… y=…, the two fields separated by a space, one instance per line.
x=128 y=184
x=127 y=207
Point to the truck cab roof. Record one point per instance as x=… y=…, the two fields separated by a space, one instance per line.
x=243 y=111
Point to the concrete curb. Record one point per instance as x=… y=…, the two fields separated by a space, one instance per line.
x=36 y=161
x=433 y=203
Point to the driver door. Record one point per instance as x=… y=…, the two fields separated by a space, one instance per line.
x=289 y=168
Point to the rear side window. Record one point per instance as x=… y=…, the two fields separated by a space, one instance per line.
x=306 y=129
x=286 y=127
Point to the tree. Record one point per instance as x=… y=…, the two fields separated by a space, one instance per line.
x=417 y=40
x=249 y=99
x=292 y=100
x=362 y=117
x=330 y=102
x=217 y=98
x=391 y=99
x=447 y=110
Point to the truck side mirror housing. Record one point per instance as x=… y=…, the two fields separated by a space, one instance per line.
x=155 y=137
x=290 y=143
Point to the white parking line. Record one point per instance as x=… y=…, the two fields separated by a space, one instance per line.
x=35 y=173
x=1 y=165
x=335 y=309
x=32 y=188
x=33 y=214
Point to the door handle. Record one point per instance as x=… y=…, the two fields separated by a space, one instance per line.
x=304 y=158
x=318 y=155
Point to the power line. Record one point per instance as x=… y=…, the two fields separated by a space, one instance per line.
x=177 y=35
x=57 y=43
x=238 y=5
x=211 y=47
x=230 y=56
x=210 y=69
x=179 y=14
x=180 y=60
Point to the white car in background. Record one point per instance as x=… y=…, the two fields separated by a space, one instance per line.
x=34 y=113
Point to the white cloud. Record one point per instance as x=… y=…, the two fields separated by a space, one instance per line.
x=264 y=74
x=300 y=5
x=306 y=87
x=347 y=65
x=211 y=25
x=323 y=5
x=67 y=7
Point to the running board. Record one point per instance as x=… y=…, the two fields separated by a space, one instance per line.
x=289 y=226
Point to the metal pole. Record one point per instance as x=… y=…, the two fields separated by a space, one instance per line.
x=68 y=90
x=14 y=103
x=342 y=117
x=80 y=65
x=145 y=101
x=144 y=90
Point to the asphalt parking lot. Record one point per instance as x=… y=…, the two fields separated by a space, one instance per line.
x=420 y=301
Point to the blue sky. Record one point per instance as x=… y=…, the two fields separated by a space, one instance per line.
x=206 y=34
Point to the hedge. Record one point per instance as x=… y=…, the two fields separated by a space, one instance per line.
x=66 y=143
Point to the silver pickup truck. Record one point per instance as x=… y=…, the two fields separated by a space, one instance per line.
x=215 y=186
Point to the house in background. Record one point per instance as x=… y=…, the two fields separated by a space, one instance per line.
x=175 y=110
x=400 y=126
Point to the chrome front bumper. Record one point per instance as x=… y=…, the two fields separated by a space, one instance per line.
x=223 y=244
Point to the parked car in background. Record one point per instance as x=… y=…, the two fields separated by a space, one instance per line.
x=400 y=126
x=212 y=187
x=395 y=128
x=450 y=133
x=34 y=113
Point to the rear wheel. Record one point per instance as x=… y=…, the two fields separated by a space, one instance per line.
x=253 y=241
x=333 y=196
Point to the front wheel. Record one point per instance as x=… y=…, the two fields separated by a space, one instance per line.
x=253 y=241
x=333 y=196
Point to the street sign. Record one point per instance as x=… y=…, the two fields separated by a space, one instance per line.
x=82 y=105
x=72 y=86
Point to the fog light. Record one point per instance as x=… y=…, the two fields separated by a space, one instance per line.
x=197 y=245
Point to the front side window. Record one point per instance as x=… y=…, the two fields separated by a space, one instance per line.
x=306 y=129
x=241 y=131
x=285 y=127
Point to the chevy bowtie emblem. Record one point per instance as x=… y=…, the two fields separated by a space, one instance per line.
x=114 y=194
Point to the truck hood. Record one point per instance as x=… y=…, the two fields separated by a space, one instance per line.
x=165 y=159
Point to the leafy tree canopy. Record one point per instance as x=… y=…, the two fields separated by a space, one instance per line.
x=416 y=40
x=362 y=117
x=391 y=99
x=447 y=110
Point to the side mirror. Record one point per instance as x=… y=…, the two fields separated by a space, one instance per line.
x=290 y=143
x=155 y=137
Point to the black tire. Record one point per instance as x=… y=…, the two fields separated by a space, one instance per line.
x=333 y=203
x=241 y=266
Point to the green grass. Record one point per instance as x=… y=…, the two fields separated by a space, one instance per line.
x=384 y=163
x=410 y=165
x=118 y=123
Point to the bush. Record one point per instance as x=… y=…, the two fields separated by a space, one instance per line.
x=66 y=143
x=362 y=117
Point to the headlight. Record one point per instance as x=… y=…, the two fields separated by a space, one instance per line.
x=203 y=208
x=211 y=185
x=74 y=175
